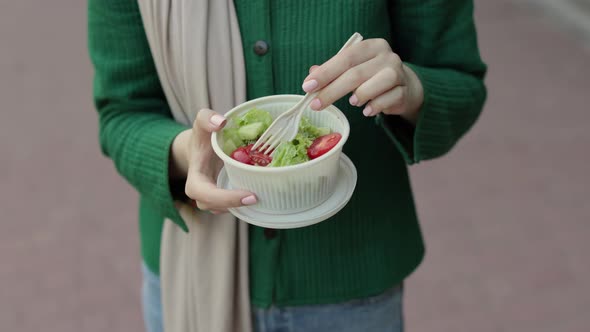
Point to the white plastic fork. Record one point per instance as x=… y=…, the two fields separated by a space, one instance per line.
x=285 y=127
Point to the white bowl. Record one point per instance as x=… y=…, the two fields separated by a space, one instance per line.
x=288 y=189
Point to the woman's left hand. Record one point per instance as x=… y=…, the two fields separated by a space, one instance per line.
x=375 y=74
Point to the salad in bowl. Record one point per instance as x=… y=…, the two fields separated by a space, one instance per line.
x=310 y=143
x=300 y=174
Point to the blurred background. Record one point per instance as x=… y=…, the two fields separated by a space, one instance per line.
x=506 y=215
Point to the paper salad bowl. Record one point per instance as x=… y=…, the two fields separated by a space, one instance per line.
x=288 y=189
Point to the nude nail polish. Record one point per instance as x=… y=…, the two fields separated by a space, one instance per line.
x=217 y=120
x=309 y=86
x=316 y=104
x=249 y=200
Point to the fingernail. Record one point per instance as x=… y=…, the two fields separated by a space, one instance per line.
x=353 y=100
x=217 y=120
x=250 y=200
x=309 y=86
x=316 y=104
x=368 y=111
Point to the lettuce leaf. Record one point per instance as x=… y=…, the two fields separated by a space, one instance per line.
x=252 y=116
x=289 y=153
x=255 y=115
x=306 y=128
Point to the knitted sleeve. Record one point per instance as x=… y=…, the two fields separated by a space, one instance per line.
x=437 y=39
x=136 y=128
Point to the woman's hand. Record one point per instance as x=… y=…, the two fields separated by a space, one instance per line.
x=193 y=157
x=377 y=76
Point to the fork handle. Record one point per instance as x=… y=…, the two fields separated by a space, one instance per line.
x=307 y=99
x=303 y=103
x=355 y=38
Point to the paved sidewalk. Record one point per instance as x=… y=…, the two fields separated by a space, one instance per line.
x=505 y=215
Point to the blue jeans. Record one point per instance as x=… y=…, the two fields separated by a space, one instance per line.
x=381 y=313
x=151 y=300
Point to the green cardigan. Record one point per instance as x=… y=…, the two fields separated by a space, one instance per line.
x=375 y=241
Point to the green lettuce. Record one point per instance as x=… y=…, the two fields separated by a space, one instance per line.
x=295 y=152
x=306 y=128
x=287 y=153
x=231 y=137
x=255 y=115
x=231 y=140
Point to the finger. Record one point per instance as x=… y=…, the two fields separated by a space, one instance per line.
x=208 y=121
x=385 y=80
x=222 y=199
x=338 y=64
x=204 y=191
x=312 y=68
x=393 y=101
x=204 y=208
x=345 y=83
x=213 y=203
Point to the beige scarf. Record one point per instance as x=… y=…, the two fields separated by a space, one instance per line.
x=197 y=50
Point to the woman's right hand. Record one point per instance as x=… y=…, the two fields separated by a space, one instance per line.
x=193 y=157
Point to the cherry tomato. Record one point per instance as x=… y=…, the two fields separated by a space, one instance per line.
x=242 y=154
x=323 y=144
x=257 y=157
x=246 y=155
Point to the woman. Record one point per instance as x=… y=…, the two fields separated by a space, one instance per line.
x=411 y=89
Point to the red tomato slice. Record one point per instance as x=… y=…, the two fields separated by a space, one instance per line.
x=242 y=154
x=259 y=158
x=245 y=155
x=323 y=144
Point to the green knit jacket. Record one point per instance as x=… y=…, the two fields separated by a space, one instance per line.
x=375 y=241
